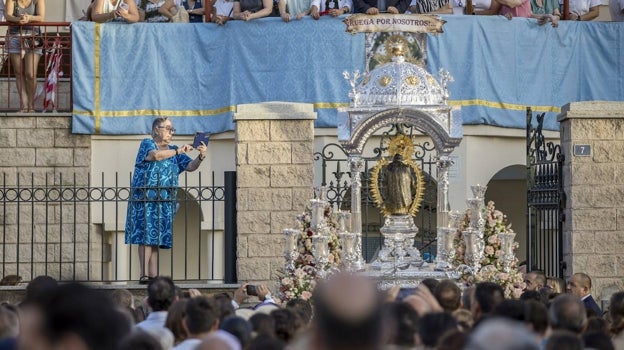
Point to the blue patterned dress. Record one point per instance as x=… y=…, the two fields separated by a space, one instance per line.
x=152 y=204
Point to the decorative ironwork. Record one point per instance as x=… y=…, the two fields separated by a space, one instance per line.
x=545 y=200
x=75 y=232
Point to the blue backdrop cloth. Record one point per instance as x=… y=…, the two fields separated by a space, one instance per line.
x=124 y=75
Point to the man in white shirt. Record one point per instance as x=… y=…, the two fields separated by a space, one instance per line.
x=201 y=319
x=160 y=295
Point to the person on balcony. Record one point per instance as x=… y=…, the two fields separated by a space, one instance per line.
x=373 y=7
x=114 y=11
x=152 y=204
x=295 y=9
x=152 y=11
x=251 y=9
x=194 y=8
x=332 y=8
x=25 y=46
x=222 y=11
x=431 y=6
x=584 y=10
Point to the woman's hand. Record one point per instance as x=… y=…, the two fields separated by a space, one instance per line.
x=25 y=18
x=245 y=15
x=185 y=149
x=314 y=12
x=221 y=20
x=548 y=18
x=285 y=16
x=202 y=148
x=393 y=10
x=123 y=13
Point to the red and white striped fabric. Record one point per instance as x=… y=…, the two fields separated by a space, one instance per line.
x=54 y=72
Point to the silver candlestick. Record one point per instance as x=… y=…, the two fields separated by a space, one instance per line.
x=447 y=243
x=474 y=252
x=507 y=255
x=321 y=253
x=348 y=241
x=290 y=247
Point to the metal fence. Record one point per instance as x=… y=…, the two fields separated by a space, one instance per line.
x=53 y=71
x=545 y=201
x=73 y=232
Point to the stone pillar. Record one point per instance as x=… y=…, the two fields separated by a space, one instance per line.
x=594 y=186
x=39 y=151
x=274 y=164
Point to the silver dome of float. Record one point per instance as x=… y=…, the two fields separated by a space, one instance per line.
x=399 y=83
x=399 y=91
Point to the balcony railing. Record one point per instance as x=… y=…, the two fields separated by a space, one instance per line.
x=73 y=232
x=53 y=71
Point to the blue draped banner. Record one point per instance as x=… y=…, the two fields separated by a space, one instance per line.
x=124 y=75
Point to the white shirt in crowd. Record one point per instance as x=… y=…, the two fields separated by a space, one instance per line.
x=581 y=7
x=224 y=7
x=154 y=324
x=188 y=344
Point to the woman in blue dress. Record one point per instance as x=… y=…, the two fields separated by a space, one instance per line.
x=152 y=203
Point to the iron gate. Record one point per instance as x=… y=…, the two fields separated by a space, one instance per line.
x=335 y=176
x=545 y=201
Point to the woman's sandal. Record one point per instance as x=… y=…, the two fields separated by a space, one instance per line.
x=144 y=280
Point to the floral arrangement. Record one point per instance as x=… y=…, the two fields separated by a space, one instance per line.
x=301 y=281
x=492 y=266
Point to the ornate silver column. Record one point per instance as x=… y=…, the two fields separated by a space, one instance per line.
x=356 y=166
x=444 y=207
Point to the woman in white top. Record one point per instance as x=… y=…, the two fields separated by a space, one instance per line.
x=114 y=11
x=222 y=11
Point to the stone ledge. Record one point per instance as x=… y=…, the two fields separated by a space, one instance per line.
x=275 y=111
x=591 y=110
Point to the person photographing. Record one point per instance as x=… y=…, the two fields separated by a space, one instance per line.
x=152 y=203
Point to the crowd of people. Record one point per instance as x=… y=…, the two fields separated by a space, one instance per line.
x=223 y=10
x=346 y=312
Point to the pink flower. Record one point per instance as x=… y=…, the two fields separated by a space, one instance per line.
x=306 y=295
x=489 y=250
